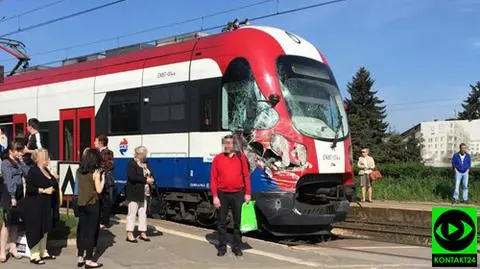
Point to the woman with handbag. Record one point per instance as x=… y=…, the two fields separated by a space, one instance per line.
x=90 y=184
x=138 y=190
x=13 y=171
x=366 y=165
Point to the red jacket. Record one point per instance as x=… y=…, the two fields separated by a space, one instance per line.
x=226 y=174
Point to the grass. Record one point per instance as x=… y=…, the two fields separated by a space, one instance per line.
x=427 y=189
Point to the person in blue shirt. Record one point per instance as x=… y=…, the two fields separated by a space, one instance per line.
x=461 y=163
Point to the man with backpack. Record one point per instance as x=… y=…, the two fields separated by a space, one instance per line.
x=230 y=187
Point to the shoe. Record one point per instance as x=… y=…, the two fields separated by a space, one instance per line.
x=91 y=267
x=238 y=253
x=16 y=256
x=454 y=202
x=37 y=262
x=132 y=241
x=465 y=202
x=369 y=201
x=221 y=252
x=49 y=257
x=80 y=264
x=146 y=239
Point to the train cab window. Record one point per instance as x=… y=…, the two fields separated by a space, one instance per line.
x=243 y=105
x=124 y=112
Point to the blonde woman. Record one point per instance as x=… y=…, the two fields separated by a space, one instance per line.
x=38 y=209
x=366 y=165
x=137 y=190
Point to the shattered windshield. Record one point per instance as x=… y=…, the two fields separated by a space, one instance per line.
x=312 y=97
x=242 y=102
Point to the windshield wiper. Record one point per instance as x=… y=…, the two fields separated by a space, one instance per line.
x=337 y=130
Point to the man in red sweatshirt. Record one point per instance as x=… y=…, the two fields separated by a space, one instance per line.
x=230 y=186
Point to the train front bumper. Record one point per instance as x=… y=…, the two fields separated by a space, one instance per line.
x=283 y=215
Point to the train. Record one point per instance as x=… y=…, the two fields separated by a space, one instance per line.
x=179 y=96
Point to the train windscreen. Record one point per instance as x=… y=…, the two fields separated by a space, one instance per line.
x=312 y=97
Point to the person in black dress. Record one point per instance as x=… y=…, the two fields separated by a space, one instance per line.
x=13 y=171
x=39 y=206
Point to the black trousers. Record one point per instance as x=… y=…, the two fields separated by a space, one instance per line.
x=87 y=230
x=233 y=201
x=106 y=202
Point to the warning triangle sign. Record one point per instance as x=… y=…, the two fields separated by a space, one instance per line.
x=68 y=182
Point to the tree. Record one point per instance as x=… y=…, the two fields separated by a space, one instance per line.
x=413 y=148
x=366 y=113
x=471 y=106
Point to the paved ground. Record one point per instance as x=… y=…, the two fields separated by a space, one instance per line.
x=183 y=246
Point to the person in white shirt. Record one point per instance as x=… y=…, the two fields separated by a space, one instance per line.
x=366 y=165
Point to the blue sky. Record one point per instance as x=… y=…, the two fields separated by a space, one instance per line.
x=422 y=53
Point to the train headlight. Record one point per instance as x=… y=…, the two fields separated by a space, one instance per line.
x=301 y=153
x=280 y=146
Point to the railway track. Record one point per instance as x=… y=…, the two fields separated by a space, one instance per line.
x=384 y=231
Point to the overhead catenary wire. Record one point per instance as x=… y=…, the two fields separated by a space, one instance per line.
x=222 y=12
x=31 y=11
x=41 y=24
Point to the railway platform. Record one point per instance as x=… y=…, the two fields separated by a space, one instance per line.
x=184 y=246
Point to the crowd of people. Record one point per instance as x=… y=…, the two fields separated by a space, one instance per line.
x=31 y=197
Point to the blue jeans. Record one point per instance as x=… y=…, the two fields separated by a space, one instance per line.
x=461 y=177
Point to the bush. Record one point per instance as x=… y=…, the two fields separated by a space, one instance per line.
x=416 y=182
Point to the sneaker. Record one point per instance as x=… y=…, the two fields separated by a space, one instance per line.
x=465 y=202
x=221 y=252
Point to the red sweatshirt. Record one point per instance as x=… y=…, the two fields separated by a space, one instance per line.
x=226 y=175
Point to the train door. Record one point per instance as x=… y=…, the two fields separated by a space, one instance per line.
x=77 y=132
x=19 y=124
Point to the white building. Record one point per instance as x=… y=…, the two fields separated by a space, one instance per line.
x=442 y=138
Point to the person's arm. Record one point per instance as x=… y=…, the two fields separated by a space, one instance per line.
x=361 y=163
x=107 y=156
x=214 y=178
x=99 y=181
x=469 y=162
x=246 y=174
x=372 y=164
x=455 y=163
x=33 y=187
x=135 y=174
x=7 y=172
x=38 y=140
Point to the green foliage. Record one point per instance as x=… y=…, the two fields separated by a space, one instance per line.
x=416 y=182
x=471 y=106
x=366 y=113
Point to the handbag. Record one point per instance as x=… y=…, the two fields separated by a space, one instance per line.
x=375 y=175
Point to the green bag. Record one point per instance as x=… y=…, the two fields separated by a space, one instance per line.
x=248 y=220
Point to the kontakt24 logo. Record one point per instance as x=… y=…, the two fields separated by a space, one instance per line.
x=454 y=237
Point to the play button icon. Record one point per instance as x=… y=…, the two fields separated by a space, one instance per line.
x=451 y=229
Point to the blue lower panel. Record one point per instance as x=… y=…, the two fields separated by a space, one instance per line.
x=187 y=173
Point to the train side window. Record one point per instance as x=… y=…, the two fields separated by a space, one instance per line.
x=241 y=100
x=164 y=109
x=124 y=112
